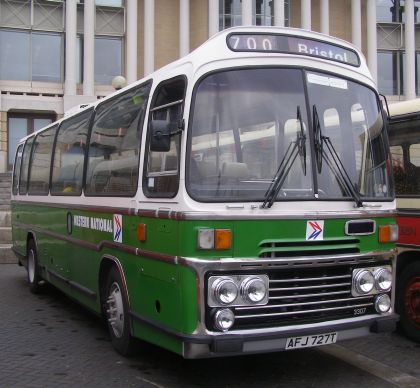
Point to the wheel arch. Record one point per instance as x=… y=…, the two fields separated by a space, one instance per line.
x=107 y=263
x=407 y=257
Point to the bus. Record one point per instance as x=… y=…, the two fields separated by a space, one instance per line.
x=239 y=200
x=404 y=135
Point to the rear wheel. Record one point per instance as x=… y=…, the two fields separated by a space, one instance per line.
x=408 y=300
x=33 y=269
x=118 y=319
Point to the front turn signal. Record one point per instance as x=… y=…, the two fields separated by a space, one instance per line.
x=388 y=233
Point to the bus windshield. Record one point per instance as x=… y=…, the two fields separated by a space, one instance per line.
x=252 y=127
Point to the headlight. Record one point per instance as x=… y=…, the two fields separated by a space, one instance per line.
x=253 y=289
x=225 y=290
x=383 y=279
x=382 y=303
x=224 y=319
x=364 y=282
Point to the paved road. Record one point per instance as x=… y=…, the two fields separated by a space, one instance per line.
x=48 y=341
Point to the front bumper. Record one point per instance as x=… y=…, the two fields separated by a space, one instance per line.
x=262 y=341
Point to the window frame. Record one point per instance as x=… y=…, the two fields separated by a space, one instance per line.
x=30 y=117
x=55 y=127
x=146 y=191
x=140 y=127
x=90 y=121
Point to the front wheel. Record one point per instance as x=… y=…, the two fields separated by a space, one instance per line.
x=408 y=300
x=118 y=319
x=34 y=278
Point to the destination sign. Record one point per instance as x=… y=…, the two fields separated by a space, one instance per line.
x=292 y=45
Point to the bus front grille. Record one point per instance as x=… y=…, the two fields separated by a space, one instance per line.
x=305 y=295
x=278 y=249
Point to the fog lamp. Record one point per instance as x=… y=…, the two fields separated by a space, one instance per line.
x=364 y=282
x=224 y=319
x=382 y=303
x=225 y=290
x=253 y=289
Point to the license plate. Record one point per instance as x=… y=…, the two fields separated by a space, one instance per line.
x=311 y=340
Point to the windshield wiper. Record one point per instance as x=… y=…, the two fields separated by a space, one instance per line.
x=295 y=148
x=301 y=141
x=333 y=160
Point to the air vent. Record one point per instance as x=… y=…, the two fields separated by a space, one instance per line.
x=275 y=249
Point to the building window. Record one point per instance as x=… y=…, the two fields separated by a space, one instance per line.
x=392 y=11
x=20 y=125
x=36 y=56
x=264 y=13
x=230 y=13
x=109 y=3
x=108 y=59
x=390 y=72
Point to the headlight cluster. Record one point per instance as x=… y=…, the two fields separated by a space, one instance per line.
x=233 y=291
x=237 y=290
x=374 y=281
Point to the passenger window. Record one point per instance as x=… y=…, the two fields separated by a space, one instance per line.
x=414 y=152
x=114 y=147
x=69 y=155
x=162 y=167
x=16 y=169
x=39 y=175
x=23 y=180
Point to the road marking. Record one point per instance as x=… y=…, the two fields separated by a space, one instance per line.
x=149 y=382
x=376 y=368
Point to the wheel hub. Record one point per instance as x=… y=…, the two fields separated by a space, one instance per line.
x=115 y=311
x=31 y=266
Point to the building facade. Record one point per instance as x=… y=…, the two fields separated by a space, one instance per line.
x=57 y=54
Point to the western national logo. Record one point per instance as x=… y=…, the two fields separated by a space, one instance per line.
x=118 y=228
x=315 y=230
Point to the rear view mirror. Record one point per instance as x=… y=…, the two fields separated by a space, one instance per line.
x=161 y=135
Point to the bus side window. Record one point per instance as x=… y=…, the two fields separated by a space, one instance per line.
x=69 y=154
x=23 y=179
x=114 y=145
x=161 y=177
x=16 y=170
x=39 y=170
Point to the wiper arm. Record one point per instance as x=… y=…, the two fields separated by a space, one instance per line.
x=318 y=139
x=333 y=161
x=294 y=149
x=301 y=141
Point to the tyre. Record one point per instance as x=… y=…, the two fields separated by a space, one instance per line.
x=34 y=277
x=117 y=314
x=408 y=300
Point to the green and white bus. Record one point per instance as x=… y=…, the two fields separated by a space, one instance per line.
x=239 y=200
